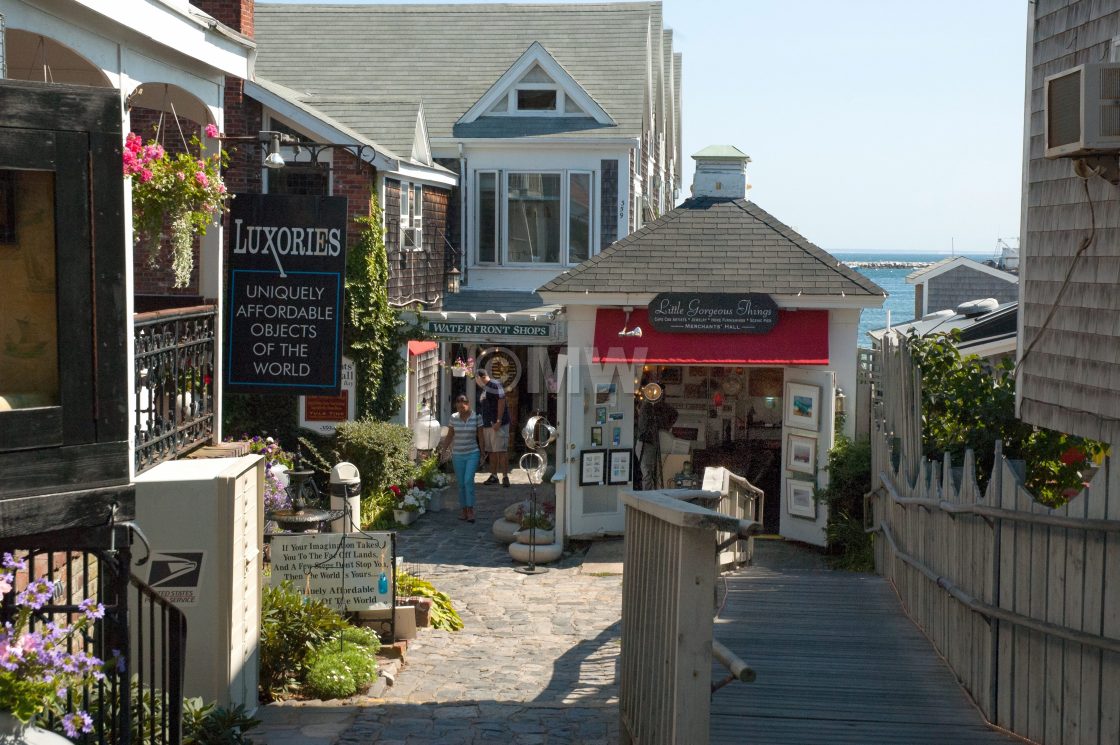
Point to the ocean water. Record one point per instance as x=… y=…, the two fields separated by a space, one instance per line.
x=900 y=295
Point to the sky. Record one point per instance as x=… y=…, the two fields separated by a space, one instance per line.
x=872 y=125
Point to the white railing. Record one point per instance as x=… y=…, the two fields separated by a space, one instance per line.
x=741 y=500
x=668 y=604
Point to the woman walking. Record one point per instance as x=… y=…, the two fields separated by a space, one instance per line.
x=464 y=443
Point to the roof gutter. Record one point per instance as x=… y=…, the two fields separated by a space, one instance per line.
x=536 y=141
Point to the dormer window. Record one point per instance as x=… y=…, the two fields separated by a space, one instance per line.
x=536 y=94
x=529 y=99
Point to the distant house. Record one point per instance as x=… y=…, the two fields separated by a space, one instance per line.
x=1069 y=328
x=987 y=329
x=950 y=282
x=562 y=122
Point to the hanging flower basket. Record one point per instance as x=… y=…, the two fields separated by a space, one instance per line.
x=185 y=191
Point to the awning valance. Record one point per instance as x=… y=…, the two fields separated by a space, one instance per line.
x=417 y=348
x=799 y=338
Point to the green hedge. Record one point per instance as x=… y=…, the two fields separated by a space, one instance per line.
x=380 y=450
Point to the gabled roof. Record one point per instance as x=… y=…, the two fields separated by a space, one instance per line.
x=940 y=267
x=451 y=55
x=716 y=245
x=985 y=334
x=537 y=55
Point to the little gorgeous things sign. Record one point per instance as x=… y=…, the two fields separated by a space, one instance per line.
x=713 y=312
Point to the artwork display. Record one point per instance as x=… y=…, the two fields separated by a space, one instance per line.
x=620 y=461
x=606 y=393
x=802 y=406
x=616 y=436
x=592 y=467
x=671 y=375
x=596 y=436
x=801 y=453
x=799 y=499
x=600 y=414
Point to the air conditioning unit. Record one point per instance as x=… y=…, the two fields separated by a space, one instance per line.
x=1082 y=111
x=412 y=239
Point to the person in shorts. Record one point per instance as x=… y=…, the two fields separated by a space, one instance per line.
x=495 y=426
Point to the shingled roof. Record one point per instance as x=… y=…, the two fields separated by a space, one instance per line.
x=709 y=244
x=450 y=55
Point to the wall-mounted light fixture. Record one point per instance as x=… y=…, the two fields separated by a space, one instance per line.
x=453 y=279
x=634 y=332
x=841 y=401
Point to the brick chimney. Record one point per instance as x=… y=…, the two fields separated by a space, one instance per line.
x=721 y=172
x=237 y=14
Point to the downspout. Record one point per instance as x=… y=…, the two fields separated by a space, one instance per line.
x=463 y=214
x=3 y=65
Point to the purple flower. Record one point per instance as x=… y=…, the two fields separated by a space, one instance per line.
x=11 y=562
x=92 y=609
x=118 y=659
x=36 y=595
x=77 y=723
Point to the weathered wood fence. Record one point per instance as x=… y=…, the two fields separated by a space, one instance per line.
x=668 y=605
x=1021 y=600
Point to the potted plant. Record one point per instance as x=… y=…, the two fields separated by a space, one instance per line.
x=184 y=190
x=537 y=524
x=408 y=505
x=461 y=368
x=436 y=485
x=41 y=669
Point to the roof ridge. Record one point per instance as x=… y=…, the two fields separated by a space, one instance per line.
x=808 y=246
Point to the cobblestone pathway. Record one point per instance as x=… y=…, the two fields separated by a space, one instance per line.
x=536 y=662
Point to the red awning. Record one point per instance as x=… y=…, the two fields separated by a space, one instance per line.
x=417 y=348
x=799 y=338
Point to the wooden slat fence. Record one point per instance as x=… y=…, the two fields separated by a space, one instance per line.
x=668 y=605
x=741 y=500
x=1022 y=601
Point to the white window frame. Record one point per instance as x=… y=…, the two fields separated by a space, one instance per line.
x=563 y=217
x=411 y=216
x=498 y=201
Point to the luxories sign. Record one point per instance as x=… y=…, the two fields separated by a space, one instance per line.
x=287 y=268
x=713 y=312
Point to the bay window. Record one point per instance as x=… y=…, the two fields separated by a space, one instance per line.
x=534 y=217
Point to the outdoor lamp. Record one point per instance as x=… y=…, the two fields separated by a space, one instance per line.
x=841 y=401
x=453 y=278
x=636 y=331
x=274 y=159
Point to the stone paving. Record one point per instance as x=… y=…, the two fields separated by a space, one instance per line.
x=535 y=664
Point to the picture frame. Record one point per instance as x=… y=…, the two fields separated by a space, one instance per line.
x=596 y=436
x=600 y=414
x=799 y=499
x=592 y=467
x=670 y=375
x=801 y=453
x=802 y=406
x=7 y=207
x=620 y=463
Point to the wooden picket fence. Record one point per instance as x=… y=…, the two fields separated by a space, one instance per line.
x=1022 y=601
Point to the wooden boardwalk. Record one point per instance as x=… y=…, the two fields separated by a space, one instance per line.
x=838 y=662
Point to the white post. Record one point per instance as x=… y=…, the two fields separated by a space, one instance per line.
x=211 y=271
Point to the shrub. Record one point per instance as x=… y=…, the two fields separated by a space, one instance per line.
x=443 y=615
x=340 y=670
x=849 y=478
x=380 y=450
x=290 y=630
x=215 y=725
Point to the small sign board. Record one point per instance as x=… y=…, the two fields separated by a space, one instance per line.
x=453 y=330
x=287 y=270
x=323 y=414
x=342 y=569
x=713 y=312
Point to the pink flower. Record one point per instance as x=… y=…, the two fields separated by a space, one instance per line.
x=211 y=130
x=180 y=176
x=145 y=176
x=221 y=188
x=153 y=152
x=133 y=142
x=200 y=177
x=201 y=165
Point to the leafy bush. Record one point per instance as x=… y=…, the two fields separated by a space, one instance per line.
x=291 y=630
x=341 y=670
x=849 y=478
x=215 y=725
x=443 y=614
x=968 y=404
x=268 y=415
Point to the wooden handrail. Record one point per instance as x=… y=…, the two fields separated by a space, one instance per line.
x=156 y=315
x=740 y=670
x=991 y=611
x=1057 y=521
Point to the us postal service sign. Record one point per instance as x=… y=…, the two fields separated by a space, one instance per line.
x=284 y=307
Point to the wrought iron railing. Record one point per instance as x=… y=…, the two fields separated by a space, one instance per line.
x=173 y=391
x=140 y=700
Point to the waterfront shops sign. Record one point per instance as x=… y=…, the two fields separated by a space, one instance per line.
x=713 y=312
x=456 y=330
x=287 y=271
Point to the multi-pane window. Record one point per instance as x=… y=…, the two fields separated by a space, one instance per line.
x=534 y=218
x=412 y=217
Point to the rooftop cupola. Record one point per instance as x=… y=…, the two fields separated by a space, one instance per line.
x=721 y=171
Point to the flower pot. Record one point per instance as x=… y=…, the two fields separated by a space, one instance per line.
x=458 y=372
x=435 y=501
x=405 y=517
x=15 y=732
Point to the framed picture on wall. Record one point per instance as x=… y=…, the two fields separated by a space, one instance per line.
x=801 y=453
x=802 y=406
x=799 y=498
x=592 y=467
x=671 y=375
x=620 y=461
x=597 y=436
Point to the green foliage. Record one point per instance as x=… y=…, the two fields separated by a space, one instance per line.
x=967 y=404
x=341 y=669
x=267 y=416
x=380 y=450
x=361 y=636
x=849 y=478
x=215 y=725
x=291 y=629
x=373 y=332
x=443 y=615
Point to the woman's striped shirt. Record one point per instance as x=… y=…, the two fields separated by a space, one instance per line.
x=466 y=433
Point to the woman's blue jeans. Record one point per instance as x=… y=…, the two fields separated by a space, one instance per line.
x=466 y=464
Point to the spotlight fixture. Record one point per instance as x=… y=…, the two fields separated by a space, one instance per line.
x=635 y=332
x=274 y=159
